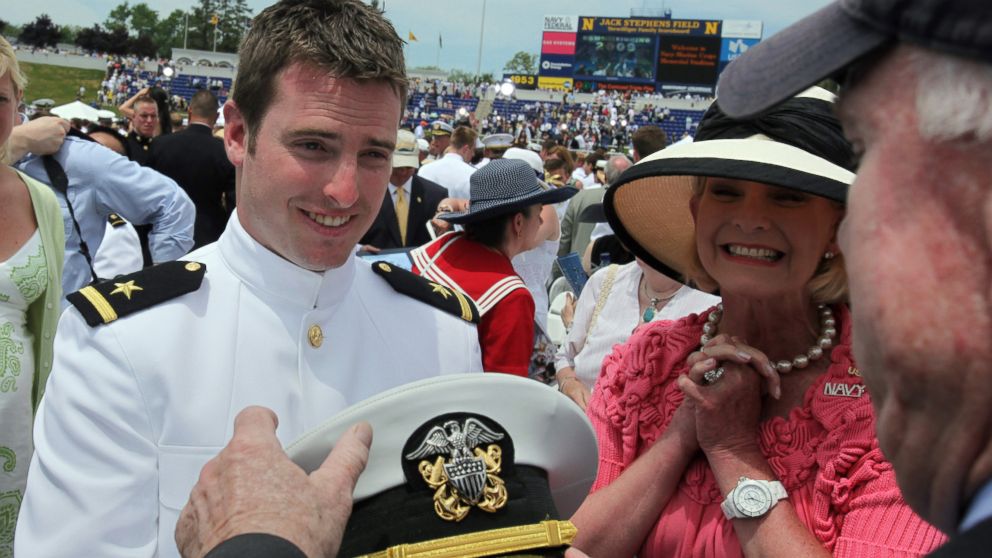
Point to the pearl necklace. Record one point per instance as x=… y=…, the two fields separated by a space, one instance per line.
x=826 y=339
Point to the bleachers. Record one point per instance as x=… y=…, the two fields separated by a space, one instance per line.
x=184 y=85
x=674 y=124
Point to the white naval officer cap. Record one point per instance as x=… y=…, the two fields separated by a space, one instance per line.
x=465 y=459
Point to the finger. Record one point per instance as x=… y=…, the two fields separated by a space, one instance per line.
x=693 y=391
x=256 y=424
x=255 y=418
x=695 y=357
x=727 y=352
x=763 y=366
x=700 y=368
x=575 y=553
x=340 y=471
x=720 y=339
x=64 y=124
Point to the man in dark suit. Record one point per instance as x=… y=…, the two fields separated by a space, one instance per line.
x=915 y=104
x=196 y=160
x=407 y=193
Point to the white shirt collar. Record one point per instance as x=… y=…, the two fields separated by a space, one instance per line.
x=265 y=271
x=979 y=509
x=407 y=187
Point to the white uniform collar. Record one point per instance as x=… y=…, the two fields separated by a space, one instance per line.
x=979 y=509
x=265 y=271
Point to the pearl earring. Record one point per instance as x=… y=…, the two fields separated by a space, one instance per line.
x=828 y=255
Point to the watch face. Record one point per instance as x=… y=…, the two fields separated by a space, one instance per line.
x=752 y=500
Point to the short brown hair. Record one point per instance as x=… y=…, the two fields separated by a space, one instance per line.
x=145 y=99
x=203 y=104
x=560 y=152
x=346 y=38
x=648 y=140
x=462 y=136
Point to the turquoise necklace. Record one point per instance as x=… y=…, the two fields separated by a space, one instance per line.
x=652 y=308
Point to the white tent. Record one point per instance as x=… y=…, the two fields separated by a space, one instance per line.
x=76 y=109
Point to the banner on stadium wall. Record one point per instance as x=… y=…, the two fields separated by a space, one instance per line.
x=593 y=86
x=648 y=26
x=556 y=65
x=561 y=23
x=732 y=48
x=558 y=43
x=742 y=29
x=522 y=81
x=554 y=83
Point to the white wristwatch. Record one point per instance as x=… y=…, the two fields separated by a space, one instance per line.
x=752 y=498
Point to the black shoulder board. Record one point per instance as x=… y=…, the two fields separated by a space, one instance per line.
x=115 y=220
x=450 y=300
x=104 y=302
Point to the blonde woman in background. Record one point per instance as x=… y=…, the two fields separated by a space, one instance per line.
x=31 y=249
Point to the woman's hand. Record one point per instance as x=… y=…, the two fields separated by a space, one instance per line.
x=727 y=410
x=568 y=311
x=573 y=387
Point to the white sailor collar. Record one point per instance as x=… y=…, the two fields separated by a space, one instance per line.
x=264 y=270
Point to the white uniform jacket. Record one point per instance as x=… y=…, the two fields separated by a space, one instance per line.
x=452 y=172
x=135 y=408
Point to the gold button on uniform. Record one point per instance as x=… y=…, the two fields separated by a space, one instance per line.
x=316 y=336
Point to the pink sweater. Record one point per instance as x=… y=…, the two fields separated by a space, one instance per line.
x=825 y=453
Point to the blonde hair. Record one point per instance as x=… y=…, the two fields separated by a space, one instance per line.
x=8 y=63
x=827 y=286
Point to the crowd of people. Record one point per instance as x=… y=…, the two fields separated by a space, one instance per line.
x=321 y=333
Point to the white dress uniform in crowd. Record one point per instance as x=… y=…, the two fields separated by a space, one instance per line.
x=452 y=172
x=120 y=251
x=136 y=407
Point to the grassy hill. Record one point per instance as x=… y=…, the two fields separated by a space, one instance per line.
x=59 y=83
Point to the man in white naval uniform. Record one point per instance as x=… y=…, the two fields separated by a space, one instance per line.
x=453 y=171
x=152 y=368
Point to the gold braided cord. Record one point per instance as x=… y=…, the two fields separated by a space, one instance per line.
x=495 y=542
x=604 y=293
x=463 y=302
x=106 y=311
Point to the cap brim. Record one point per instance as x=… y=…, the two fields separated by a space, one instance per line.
x=814 y=48
x=648 y=207
x=543 y=197
x=400 y=161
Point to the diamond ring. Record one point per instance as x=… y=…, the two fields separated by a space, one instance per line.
x=712 y=376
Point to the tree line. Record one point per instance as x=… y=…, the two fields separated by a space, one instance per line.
x=139 y=30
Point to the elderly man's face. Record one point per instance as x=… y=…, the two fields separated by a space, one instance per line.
x=919 y=268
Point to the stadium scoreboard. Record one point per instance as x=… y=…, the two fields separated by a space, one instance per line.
x=588 y=53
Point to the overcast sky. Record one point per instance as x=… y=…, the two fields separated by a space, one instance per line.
x=510 y=25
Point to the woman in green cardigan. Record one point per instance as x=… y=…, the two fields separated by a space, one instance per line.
x=32 y=244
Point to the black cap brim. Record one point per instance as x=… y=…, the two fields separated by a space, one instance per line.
x=814 y=48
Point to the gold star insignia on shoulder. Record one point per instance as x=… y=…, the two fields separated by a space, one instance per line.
x=165 y=281
x=441 y=290
x=126 y=288
x=442 y=297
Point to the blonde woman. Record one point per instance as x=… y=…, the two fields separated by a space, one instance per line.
x=31 y=248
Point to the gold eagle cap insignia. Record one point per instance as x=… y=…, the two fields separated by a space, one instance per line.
x=463 y=475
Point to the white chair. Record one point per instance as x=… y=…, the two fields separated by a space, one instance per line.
x=558 y=286
x=556 y=327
